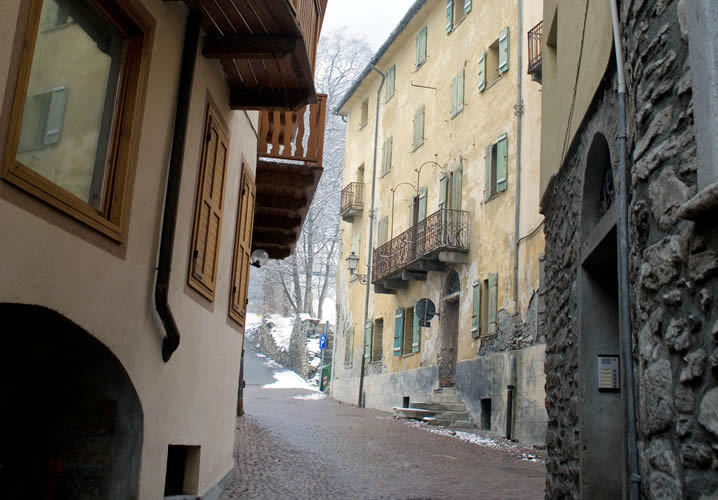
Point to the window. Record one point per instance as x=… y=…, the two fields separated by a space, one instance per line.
x=476 y=310
x=421 y=47
x=497 y=160
x=242 y=247
x=407 y=332
x=377 y=351
x=208 y=211
x=368 y=326
x=348 y=345
x=386 y=156
x=494 y=62
x=418 y=127
x=450 y=186
x=457 y=94
x=73 y=132
x=390 y=82
x=490 y=305
x=364 y=113
x=455 y=13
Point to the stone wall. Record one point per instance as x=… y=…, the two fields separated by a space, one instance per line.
x=673 y=266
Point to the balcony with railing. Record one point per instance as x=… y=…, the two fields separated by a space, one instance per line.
x=535 y=54
x=290 y=146
x=352 y=202
x=440 y=239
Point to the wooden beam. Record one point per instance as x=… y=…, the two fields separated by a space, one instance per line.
x=263 y=98
x=248 y=46
x=282 y=202
x=272 y=238
x=278 y=221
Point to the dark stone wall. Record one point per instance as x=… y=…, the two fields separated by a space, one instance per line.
x=673 y=266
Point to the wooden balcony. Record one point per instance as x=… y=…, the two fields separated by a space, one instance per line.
x=535 y=54
x=267 y=48
x=290 y=147
x=442 y=238
x=352 y=202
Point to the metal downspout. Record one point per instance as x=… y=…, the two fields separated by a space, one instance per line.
x=371 y=235
x=171 y=341
x=519 y=111
x=624 y=308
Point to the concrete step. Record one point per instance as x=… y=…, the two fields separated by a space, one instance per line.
x=462 y=424
x=413 y=413
x=439 y=422
x=439 y=406
x=454 y=415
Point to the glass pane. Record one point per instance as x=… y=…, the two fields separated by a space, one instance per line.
x=68 y=117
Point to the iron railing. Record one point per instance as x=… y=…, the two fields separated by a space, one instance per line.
x=535 y=54
x=353 y=196
x=444 y=229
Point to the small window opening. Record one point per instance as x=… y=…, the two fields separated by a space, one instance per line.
x=492 y=62
x=405 y=403
x=182 y=476
x=486 y=414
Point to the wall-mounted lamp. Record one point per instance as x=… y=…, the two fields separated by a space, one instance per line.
x=259 y=258
x=352 y=265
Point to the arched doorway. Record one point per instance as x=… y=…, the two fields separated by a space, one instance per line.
x=71 y=419
x=602 y=429
x=449 y=329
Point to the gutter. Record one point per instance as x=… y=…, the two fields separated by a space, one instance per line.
x=171 y=341
x=371 y=233
x=519 y=111
x=624 y=299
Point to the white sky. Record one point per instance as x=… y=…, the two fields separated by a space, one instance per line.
x=372 y=20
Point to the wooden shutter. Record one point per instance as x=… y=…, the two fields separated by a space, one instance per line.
x=443 y=190
x=482 y=71
x=504 y=51
x=456 y=189
x=502 y=163
x=422 y=205
x=467 y=6
x=489 y=189
x=242 y=247
x=454 y=94
x=398 y=330
x=493 y=302
x=476 y=310
x=421 y=47
x=449 y=15
x=460 y=92
x=208 y=213
x=416 y=334
x=55 y=116
x=368 y=328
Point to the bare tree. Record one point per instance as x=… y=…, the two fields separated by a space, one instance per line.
x=308 y=276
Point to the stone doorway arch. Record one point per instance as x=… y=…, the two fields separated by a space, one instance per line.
x=449 y=329
x=71 y=419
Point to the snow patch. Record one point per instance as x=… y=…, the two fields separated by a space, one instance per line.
x=287 y=379
x=281 y=330
x=314 y=396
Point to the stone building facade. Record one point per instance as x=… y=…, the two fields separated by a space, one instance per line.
x=672 y=262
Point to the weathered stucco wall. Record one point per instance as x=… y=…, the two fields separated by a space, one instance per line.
x=107 y=289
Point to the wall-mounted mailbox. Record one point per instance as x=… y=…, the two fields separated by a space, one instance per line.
x=608 y=375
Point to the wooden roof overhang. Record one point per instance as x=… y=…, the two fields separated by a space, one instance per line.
x=267 y=49
x=284 y=193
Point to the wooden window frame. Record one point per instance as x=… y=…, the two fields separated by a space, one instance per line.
x=247 y=188
x=112 y=220
x=212 y=116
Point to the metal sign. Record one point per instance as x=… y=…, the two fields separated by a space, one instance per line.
x=425 y=310
x=323 y=342
x=608 y=373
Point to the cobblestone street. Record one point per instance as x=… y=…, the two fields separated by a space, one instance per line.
x=308 y=448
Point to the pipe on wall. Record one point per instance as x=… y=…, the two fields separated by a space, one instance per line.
x=519 y=110
x=510 y=396
x=171 y=341
x=371 y=235
x=624 y=300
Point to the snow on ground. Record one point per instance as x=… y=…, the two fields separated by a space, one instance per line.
x=287 y=379
x=282 y=331
x=313 y=346
x=253 y=321
x=313 y=396
x=499 y=444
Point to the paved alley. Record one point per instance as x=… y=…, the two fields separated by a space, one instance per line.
x=288 y=447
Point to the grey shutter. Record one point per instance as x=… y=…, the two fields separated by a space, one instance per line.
x=502 y=163
x=422 y=204
x=55 y=116
x=460 y=92
x=504 y=51
x=493 y=302
x=421 y=47
x=368 y=329
x=454 y=94
x=443 y=190
x=389 y=149
x=482 y=71
x=476 y=310
x=489 y=189
x=449 y=15
x=398 y=330
x=421 y=125
x=456 y=189
x=467 y=6
x=416 y=334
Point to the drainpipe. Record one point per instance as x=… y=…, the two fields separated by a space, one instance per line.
x=519 y=111
x=624 y=308
x=371 y=234
x=171 y=341
x=510 y=396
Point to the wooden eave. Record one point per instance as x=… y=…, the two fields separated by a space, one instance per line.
x=266 y=55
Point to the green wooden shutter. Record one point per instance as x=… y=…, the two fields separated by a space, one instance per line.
x=449 y=15
x=416 y=337
x=482 y=71
x=419 y=127
x=493 y=302
x=368 y=327
x=422 y=204
x=460 y=92
x=454 y=94
x=467 y=6
x=421 y=47
x=443 y=190
x=502 y=163
x=504 y=51
x=476 y=310
x=489 y=190
x=456 y=189
x=55 y=116
x=398 y=330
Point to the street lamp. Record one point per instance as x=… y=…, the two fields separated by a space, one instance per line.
x=352 y=265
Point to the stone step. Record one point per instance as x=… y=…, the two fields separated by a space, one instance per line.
x=439 y=398
x=414 y=413
x=439 y=422
x=462 y=424
x=446 y=390
x=454 y=415
x=440 y=406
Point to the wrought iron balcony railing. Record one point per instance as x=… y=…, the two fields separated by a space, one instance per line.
x=535 y=54
x=352 y=199
x=445 y=229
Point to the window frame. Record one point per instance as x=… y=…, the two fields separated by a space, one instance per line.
x=247 y=181
x=422 y=44
x=112 y=220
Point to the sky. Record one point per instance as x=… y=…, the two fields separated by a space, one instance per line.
x=372 y=20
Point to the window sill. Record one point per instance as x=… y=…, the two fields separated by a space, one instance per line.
x=389 y=98
x=458 y=113
x=456 y=25
x=362 y=126
x=408 y=355
x=347 y=365
x=418 y=145
x=495 y=195
x=494 y=82
x=384 y=174
x=419 y=66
